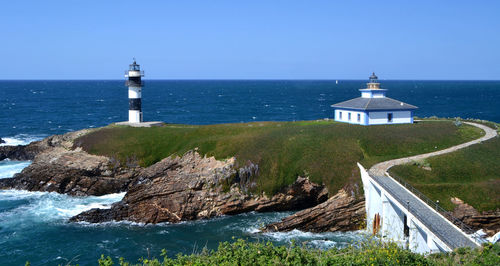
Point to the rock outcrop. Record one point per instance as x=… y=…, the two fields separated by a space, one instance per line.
x=72 y=172
x=28 y=152
x=342 y=212
x=488 y=221
x=21 y=152
x=58 y=168
x=193 y=187
x=2 y=141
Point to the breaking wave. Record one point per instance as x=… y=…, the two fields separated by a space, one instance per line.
x=10 y=168
x=319 y=240
x=21 y=139
x=35 y=207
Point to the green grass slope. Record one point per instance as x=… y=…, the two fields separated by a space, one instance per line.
x=325 y=150
x=471 y=174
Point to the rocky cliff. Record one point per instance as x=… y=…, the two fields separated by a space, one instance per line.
x=175 y=189
x=192 y=187
x=488 y=221
x=342 y=212
x=22 y=152
x=57 y=167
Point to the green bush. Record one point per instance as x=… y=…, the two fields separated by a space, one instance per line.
x=242 y=252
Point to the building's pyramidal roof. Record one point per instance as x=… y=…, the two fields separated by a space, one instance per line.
x=368 y=104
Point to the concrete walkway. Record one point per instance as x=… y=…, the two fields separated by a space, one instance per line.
x=439 y=225
x=381 y=168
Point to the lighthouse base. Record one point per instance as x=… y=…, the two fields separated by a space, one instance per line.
x=141 y=124
x=135 y=116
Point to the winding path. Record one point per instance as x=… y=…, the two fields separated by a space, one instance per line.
x=381 y=168
x=438 y=224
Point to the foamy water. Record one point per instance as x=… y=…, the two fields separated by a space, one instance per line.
x=10 y=168
x=21 y=139
x=49 y=206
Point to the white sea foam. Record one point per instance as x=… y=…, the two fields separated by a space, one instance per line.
x=116 y=223
x=10 y=168
x=21 y=139
x=50 y=206
x=318 y=240
x=294 y=234
x=495 y=238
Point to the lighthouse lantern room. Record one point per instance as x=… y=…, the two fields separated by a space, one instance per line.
x=134 y=83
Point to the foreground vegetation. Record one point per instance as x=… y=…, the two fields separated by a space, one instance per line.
x=372 y=253
x=471 y=174
x=326 y=151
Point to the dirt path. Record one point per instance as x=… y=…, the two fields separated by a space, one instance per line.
x=381 y=168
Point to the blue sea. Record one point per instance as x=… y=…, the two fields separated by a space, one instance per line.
x=34 y=227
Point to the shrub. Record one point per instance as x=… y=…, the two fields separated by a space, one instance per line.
x=372 y=252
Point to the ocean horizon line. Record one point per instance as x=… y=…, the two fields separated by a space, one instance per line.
x=277 y=79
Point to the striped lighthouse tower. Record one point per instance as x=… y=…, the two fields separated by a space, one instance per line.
x=134 y=83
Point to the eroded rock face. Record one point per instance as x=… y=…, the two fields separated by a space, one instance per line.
x=190 y=187
x=28 y=152
x=342 y=212
x=488 y=221
x=21 y=152
x=2 y=141
x=58 y=168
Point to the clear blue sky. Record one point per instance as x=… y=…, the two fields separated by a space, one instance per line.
x=251 y=39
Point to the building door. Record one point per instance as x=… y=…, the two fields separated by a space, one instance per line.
x=389 y=117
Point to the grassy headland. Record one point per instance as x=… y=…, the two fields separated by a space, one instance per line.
x=471 y=174
x=326 y=151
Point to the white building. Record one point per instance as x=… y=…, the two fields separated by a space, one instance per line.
x=374 y=108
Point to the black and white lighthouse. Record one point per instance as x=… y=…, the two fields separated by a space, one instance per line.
x=134 y=83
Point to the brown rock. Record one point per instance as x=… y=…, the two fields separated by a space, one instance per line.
x=20 y=152
x=342 y=212
x=463 y=209
x=488 y=221
x=58 y=168
x=28 y=152
x=190 y=187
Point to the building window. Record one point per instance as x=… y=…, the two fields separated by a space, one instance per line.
x=340 y=115
x=349 y=116
x=389 y=117
x=359 y=117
